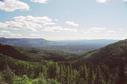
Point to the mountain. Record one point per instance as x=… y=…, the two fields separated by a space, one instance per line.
x=26 y=42
x=34 y=54
x=109 y=54
x=112 y=54
x=72 y=46
x=13 y=52
x=106 y=65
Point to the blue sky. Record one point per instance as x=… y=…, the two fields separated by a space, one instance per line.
x=63 y=19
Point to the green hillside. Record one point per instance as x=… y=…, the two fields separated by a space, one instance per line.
x=36 y=66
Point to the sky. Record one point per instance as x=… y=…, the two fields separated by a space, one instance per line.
x=63 y=19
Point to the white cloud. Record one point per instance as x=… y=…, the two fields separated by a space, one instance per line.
x=45 y=27
x=26 y=25
x=59 y=29
x=12 y=5
x=102 y=1
x=5 y=31
x=40 y=1
x=71 y=23
x=125 y=1
x=106 y=1
x=101 y=33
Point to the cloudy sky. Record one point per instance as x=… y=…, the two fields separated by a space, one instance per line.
x=63 y=19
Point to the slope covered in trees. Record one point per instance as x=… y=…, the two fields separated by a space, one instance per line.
x=103 y=66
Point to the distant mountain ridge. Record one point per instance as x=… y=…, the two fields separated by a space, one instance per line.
x=110 y=54
x=72 y=46
x=23 y=41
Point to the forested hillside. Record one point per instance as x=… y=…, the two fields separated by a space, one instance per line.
x=106 y=65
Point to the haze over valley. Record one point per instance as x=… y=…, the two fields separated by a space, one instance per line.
x=70 y=46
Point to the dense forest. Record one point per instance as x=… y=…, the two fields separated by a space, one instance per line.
x=106 y=65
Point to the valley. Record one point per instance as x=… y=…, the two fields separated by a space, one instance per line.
x=32 y=65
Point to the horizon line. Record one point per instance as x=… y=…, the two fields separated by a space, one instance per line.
x=60 y=39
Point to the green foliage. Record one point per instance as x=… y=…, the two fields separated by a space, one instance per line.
x=23 y=72
x=26 y=80
x=22 y=80
x=54 y=68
